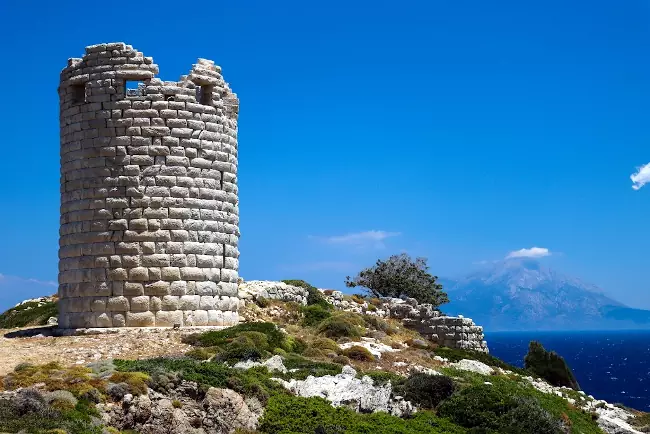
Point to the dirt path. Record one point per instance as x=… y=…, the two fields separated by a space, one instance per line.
x=86 y=349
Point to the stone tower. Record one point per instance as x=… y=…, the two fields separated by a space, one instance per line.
x=149 y=207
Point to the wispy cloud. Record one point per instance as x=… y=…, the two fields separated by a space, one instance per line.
x=533 y=252
x=641 y=177
x=8 y=278
x=320 y=266
x=359 y=239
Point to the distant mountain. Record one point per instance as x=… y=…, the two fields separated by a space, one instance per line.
x=522 y=294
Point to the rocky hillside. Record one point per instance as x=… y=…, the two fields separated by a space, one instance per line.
x=32 y=312
x=523 y=294
x=297 y=364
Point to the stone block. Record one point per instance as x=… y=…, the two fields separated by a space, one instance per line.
x=133 y=288
x=139 y=274
x=189 y=302
x=168 y=318
x=117 y=304
x=119 y=320
x=104 y=320
x=140 y=319
x=159 y=288
x=171 y=273
x=139 y=304
x=207 y=302
x=206 y=288
x=215 y=318
x=98 y=304
x=178 y=288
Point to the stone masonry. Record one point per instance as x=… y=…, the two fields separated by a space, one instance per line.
x=448 y=331
x=149 y=206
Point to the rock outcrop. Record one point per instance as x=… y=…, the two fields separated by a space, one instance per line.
x=183 y=411
x=448 y=331
x=255 y=289
x=345 y=389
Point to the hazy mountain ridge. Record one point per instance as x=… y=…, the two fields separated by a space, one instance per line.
x=523 y=294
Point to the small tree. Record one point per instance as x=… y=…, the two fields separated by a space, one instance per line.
x=550 y=366
x=401 y=276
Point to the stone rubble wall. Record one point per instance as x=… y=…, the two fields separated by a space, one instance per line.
x=448 y=331
x=255 y=289
x=149 y=206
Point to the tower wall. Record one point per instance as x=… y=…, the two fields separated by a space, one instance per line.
x=149 y=206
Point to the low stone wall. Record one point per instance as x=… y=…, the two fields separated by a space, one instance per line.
x=448 y=331
x=254 y=289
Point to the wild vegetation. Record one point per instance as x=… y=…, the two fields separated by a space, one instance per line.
x=550 y=366
x=400 y=276
x=31 y=313
x=55 y=397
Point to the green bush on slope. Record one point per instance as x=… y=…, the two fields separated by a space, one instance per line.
x=289 y=414
x=30 y=313
x=426 y=391
x=576 y=420
x=550 y=366
x=490 y=409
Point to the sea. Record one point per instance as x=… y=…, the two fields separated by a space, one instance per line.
x=610 y=365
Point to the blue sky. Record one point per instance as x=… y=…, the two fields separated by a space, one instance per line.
x=459 y=131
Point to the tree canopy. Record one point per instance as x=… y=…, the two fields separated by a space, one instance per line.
x=400 y=276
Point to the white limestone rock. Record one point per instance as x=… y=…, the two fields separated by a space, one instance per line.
x=473 y=366
x=376 y=348
x=345 y=389
x=254 y=289
x=274 y=364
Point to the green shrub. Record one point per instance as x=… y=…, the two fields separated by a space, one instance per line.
x=383 y=377
x=325 y=344
x=200 y=353
x=343 y=324
x=253 y=382
x=426 y=391
x=341 y=360
x=314 y=314
x=275 y=338
x=240 y=353
x=478 y=406
x=15 y=416
x=136 y=381
x=550 y=366
x=30 y=313
x=302 y=368
x=289 y=414
x=357 y=352
x=294 y=344
x=528 y=417
x=379 y=324
x=258 y=339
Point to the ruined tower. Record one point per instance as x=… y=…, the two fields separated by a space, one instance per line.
x=149 y=206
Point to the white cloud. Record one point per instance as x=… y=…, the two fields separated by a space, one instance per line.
x=641 y=177
x=8 y=279
x=533 y=252
x=360 y=239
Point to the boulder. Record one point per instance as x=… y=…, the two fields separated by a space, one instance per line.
x=345 y=389
x=228 y=410
x=274 y=364
x=473 y=366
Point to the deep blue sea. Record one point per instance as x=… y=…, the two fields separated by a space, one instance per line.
x=611 y=365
